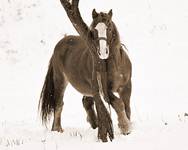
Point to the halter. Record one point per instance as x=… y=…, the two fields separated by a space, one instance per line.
x=101 y=38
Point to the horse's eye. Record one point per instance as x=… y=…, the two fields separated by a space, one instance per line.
x=109 y=29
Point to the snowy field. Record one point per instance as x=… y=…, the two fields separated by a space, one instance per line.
x=156 y=34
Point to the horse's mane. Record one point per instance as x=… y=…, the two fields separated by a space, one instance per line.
x=115 y=36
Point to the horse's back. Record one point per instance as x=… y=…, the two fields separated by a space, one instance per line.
x=69 y=48
x=70 y=42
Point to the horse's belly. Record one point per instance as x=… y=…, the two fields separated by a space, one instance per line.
x=79 y=75
x=80 y=84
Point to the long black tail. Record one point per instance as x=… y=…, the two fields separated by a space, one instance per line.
x=47 y=97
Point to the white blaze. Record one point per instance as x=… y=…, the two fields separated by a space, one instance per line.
x=103 y=48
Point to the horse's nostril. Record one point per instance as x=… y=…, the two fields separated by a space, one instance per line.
x=107 y=50
x=99 y=52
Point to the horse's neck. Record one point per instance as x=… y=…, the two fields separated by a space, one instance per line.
x=115 y=34
x=115 y=58
x=115 y=48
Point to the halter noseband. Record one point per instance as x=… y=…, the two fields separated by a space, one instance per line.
x=102 y=38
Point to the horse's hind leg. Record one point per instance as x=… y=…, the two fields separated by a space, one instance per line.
x=60 y=84
x=88 y=104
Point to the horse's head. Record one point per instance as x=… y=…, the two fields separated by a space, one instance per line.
x=102 y=27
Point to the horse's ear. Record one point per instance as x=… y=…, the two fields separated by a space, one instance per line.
x=110 y=13
x=94 y=13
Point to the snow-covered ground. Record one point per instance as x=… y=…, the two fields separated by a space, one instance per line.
x=156 y=34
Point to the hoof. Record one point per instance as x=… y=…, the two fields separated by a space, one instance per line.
x=125 y=129
x=58 y=129
x=127 y=133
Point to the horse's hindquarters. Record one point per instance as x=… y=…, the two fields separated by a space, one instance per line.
x=75 y=63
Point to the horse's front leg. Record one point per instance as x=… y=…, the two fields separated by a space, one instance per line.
x=88 y=103
x=119 y=107
x=125 y=94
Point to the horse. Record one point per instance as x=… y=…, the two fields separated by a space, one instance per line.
x=71 y=62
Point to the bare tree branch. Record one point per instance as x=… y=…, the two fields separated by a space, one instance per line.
x=75 y=17
x=104 y=119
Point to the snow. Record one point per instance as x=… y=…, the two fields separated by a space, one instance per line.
x=156 y=35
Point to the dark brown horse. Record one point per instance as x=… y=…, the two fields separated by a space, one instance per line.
x=72 y=63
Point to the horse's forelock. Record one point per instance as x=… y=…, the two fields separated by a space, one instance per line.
x=115 y=39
